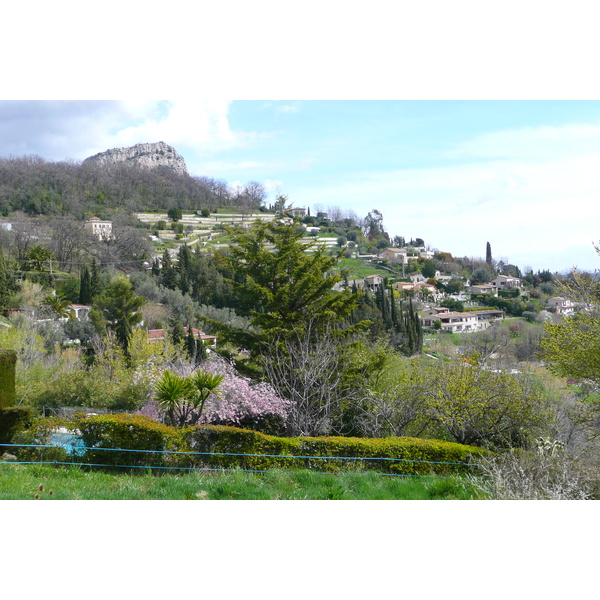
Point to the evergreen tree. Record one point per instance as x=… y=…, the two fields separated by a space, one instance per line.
x=119 y=309
x=281 y=286
x=94 y=280
x=168 y=275
x=8 y=283
x=176 y=332
x=488 y=254
x=85 y=286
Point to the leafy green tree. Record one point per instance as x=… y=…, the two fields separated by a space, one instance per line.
x=172 y=393
x=283 y=283
x=118 y=308
x=175 y=213
x=428 y=269
x=94 y=279
x=37 y=259
x=572 y=347
x=479 y=407
x=168 y=273
x=481 y=275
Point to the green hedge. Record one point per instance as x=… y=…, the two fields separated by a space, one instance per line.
x=232 y=440
x=13 y=419
x=223 y=447
x=132 y=432
x=8 y=360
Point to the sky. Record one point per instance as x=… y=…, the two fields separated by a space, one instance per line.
x=522 y=175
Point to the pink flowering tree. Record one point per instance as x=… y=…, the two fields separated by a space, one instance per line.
x=241 y=401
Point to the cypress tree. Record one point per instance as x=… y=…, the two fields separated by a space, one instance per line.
x=168 y=273
x=7 y=281
x=94 y=280
x=85 y=286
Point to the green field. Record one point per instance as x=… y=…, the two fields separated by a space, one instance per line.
x=23 y=482
x=360 y=269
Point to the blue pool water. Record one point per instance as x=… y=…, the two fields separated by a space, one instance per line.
x=71 y=442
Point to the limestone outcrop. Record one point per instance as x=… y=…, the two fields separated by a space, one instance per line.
x=149 y=156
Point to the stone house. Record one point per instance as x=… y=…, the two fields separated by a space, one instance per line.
x=99 y=228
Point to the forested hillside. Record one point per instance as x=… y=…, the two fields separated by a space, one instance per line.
x=39 y=187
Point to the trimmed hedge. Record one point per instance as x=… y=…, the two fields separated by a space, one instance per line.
x=8 y=360
x=223 y=447
x=438 y=457
x=132 y=432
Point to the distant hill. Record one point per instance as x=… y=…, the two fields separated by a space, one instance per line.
x=118 y=180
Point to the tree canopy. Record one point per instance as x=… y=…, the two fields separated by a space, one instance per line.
x=118 y=307
x=284 y=283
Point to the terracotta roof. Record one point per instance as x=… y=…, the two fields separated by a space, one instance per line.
x=159 y=334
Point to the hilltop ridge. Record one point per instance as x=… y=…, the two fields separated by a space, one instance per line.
x=148 y=155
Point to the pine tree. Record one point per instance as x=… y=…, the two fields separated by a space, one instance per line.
x=283 y=288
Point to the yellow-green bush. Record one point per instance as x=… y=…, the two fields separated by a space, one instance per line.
x=131 y=433
x=222 y=447
x=418 y=456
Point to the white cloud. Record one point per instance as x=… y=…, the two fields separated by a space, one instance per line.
x=534 y=143
x=198 y=125
x=543 y=213
x=288 y=108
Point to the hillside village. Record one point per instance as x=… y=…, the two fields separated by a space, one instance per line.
x=137 y=290
x=400 y=267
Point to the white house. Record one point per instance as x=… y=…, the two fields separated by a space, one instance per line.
x=504 y=282
x=455 y=322
x=99 y=228
x=394 y=255
x=561 y=306
x=372 y=283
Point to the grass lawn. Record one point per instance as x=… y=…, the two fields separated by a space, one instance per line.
x=22 y=482
x=359 y=268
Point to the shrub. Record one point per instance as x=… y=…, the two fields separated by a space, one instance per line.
x=13 y=419
x=418 y=456
x=38 y=433
x=131 y=433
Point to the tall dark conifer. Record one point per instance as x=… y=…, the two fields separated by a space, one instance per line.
x=85 y=286
x=94 y=280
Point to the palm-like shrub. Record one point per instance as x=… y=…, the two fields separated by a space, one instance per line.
x=182 y=399
x=204 y=384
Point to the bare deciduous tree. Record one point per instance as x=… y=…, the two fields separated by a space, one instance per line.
x=309 y=371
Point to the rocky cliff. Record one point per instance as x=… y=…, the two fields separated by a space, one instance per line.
x=150 y=156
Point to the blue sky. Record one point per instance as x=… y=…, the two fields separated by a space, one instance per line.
x=522 y=175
